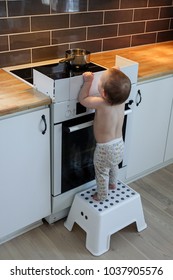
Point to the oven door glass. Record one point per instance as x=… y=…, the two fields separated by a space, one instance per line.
x=78 y=145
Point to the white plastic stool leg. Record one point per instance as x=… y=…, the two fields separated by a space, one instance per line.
x=140 y=221
x=97 y=243
x=71 y=216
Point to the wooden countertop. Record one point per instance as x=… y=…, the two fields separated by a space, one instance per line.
x=16 y=95
x=154 y=60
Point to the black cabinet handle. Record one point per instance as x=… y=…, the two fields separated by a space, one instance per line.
x=140 y=98
x=45 y=124
x=130 y=102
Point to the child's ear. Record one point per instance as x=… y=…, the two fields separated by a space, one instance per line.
x=104 y=94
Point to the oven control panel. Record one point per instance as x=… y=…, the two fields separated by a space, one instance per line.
x=68 y=110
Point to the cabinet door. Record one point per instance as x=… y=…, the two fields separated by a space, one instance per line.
x=24 y=170
x=150 y=126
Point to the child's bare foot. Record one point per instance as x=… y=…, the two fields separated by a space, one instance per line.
x=112 y=186
x=98 y=197
x=95 y=197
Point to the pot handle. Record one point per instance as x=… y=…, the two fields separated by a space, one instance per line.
x=66 y=59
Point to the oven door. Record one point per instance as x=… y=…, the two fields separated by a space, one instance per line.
x=74 y=145
x=78 y=144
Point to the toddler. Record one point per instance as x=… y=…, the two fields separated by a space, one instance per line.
x=114 y=88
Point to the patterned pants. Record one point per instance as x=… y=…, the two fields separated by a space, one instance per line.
x=107 y=156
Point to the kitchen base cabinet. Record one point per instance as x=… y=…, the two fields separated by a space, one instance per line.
x=24 y=170
x=151 y=117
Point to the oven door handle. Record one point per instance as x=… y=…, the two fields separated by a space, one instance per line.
x=87 y=124
x=78 y=126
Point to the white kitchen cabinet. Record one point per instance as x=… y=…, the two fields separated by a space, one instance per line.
x=150 y=126
x=24 y=170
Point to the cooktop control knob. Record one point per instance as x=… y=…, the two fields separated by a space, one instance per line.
x=68 y=113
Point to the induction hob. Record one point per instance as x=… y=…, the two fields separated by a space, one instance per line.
x=56 y=71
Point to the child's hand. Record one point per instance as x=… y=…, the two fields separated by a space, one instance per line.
x=88 y=77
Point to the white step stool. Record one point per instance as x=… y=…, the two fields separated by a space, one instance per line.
x=100 y=219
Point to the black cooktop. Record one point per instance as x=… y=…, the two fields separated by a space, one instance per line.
x=26 y=74
x=64 y=70
x=56 y=71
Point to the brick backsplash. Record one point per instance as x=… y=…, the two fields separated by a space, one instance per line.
x=38 y=30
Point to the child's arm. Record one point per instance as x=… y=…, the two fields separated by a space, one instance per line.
x=88 y=101
x=87 y=82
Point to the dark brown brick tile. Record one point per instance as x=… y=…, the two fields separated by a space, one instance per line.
x=131 y=28
x=118 y=16
x=145 y=14
x=103 y=5
x=143 y=39
x=165 y=36
x=133 y=4
x=15 y=58
x=116 y=43
x=68 y=35
x=3 y=43
x=47 y=53
x=92 y=46
x=166 y=12
x=156 y=25
x=3 y=12
x=171 y=24
x=86 y=19
x=68 y=6
x=30 y=7
x=103 y=31
x=29 y=40
x=154 y=3
x=49 y=22
x=14 y=25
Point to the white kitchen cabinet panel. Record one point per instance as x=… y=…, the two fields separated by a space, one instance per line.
x=24 y=170
x=150 y=125
x=169 y=146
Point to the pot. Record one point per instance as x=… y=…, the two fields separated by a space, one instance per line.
x=76 y=57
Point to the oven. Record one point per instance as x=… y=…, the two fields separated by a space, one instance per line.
x=73 y=145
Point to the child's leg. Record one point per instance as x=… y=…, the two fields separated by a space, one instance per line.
x=102 y=180
x=113 y=177
x=101 y=174
x=115 y=158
